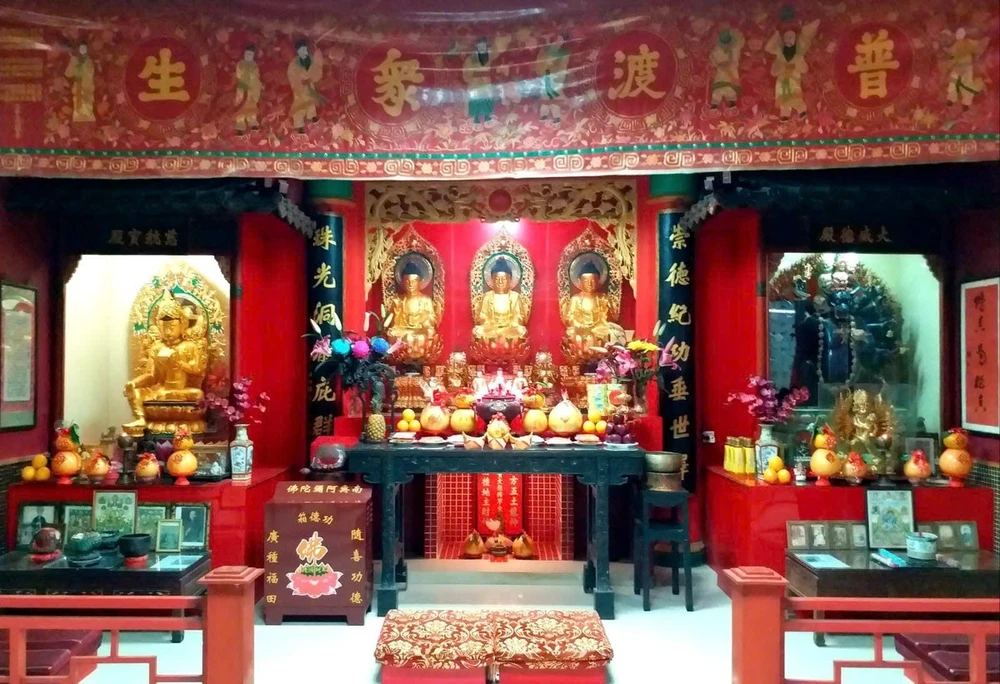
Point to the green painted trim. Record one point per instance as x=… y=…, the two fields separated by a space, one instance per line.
x=330 y=189
x=673 y=184
x=511 y=154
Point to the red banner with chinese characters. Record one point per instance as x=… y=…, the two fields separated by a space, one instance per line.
x=981 y=356
x=313 y=90
x=500 y=497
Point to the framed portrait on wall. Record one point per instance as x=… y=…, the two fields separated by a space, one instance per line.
x=979 y=349
x=18 y=357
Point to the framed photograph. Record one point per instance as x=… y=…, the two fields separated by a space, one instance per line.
x=195 y=520
x=18 y=357
x=32 y=518
x=147 y=517
x=890 y=517
x=213 y=461
x=114 y=511
x=979 y=351
x=859 y=536
x=819 y=536
x=168 y=536
x=840 y=536
x=968 y=535
x=926 y=443
x=926 y=529
x=77 y=518
x=798 y=538
x=947 y=539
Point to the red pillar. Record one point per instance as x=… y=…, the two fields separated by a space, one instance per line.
x=758 y=635
x=227 y=647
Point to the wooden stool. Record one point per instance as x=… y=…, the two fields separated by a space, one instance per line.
x=648 y=532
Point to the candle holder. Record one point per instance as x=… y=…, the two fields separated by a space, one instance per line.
x=127 y=444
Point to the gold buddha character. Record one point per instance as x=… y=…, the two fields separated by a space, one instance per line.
x=503 y=312
x=587 y=311
x=174 y=367
x=414 y=317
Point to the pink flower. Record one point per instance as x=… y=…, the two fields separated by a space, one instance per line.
x=395 y=347
x=667 y=359
x=626 y=364
x=321 y=350
x=360 y=349
x=604 y=372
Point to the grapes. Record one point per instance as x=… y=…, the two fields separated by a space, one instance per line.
x=618 y=419
x=621 y=430
x=614 y=439
x=628 y=439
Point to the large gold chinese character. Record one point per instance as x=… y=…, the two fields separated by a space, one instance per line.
x=272 y=557
x=356 y=535
x=272 y=538
x=680 y=351
x=311 y=550
x=639 y=74
x=324 y=391
x=680 y=426
x=394 y=79
x=873 y=63
x=357 y=576
x=271 y=598
x=272 y=578
x=356 y=557
x=679 y=274
x=163 y=78
x=679 y=314
x=679 y=237
x=678 y=390
x=356 y=597
x=323 y=277
x=323 y=238
x=325 y=313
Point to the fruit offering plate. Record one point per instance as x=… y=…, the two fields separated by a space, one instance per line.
x=559 y=441
x=431 y=440
x=620 y=446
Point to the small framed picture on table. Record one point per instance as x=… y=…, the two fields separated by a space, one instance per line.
x=890 y=517
x=819 y=536
x=147 y=518
x=840 y=536
x=168 y=536
x=798 y=538
x=32 y=518
x=114 y=511
x=859 y=536
x=195 y=521
x=77 y=518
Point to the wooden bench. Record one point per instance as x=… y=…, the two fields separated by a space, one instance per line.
x=947 y=655
x=523 y=647
x=48 y=652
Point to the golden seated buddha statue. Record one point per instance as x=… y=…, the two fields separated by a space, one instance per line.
x=414 y=319
x=587 y=317
x=166 y=395
x=502 y=312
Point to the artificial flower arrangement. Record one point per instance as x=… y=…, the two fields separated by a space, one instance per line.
x=638 y=360
x=357 y=360
x=766 y=403
x=240 y=406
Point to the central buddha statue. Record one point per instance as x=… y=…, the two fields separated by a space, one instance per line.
x=502 y=312
x=587 y=311
x=414 y=317
x=165 y=396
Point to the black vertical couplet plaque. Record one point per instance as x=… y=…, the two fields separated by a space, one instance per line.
x=676 y=311
x=325 y=263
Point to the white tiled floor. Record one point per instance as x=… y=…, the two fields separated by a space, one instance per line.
x=666 y=644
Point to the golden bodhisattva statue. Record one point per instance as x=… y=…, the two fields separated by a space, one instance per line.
x=166 y=394
x=414 y=318
x=502 y=313
x=587 y=311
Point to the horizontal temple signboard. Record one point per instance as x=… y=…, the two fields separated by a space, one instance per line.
x=306 y=89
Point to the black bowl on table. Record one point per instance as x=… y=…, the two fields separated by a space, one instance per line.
x=134 y=545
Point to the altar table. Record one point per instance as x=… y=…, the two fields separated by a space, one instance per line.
x=390 y=466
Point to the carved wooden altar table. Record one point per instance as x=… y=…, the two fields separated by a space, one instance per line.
x=390 y=466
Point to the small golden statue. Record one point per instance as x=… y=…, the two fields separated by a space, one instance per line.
x=589 y=298
x=414 y=318
x=166 y=394
x=502 y=312
x=456 y=372
x=863 y=423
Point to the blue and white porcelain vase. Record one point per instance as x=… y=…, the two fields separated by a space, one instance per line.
x=241 y=455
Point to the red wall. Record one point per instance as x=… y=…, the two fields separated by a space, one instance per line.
x=270 y=321
x=26 y=258
x=977 y=256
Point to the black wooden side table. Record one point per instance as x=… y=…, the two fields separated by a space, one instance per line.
x=649 y=531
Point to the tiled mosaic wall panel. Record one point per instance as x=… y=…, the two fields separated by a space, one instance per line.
x=988 y=474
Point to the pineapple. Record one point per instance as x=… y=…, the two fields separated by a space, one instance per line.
x=375 y=428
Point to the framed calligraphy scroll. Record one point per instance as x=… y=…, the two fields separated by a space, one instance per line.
x=18 y=357
x=980 y=349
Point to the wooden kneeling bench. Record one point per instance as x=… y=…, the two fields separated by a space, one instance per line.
x=947 y=655
x=524 y=647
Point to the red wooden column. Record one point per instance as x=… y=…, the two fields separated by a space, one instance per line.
x=227 y=647
x=758 y=635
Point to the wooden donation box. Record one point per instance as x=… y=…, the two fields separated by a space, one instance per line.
x=318 y=552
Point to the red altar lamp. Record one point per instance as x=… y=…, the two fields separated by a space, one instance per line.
x=955 y=461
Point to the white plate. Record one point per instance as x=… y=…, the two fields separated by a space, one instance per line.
x=621 y=447
x=559 y=442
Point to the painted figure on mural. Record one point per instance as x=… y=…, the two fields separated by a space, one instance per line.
x=80 y=72
x=789 y=50
x=552 y=65
x=963 y=84
x=175 y=365
x=725 y=59
x=477 y=74
x=248 y=90
x=304 y=72
x=414 y=317
x=503 y=311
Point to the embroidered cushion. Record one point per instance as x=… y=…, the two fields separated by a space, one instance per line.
x=551 y=640
x=436 y=639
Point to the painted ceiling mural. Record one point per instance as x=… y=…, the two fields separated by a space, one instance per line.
x=355 y=91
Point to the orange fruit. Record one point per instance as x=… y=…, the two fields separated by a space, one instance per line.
x=770 y=476
x=414 y=426
x=403 y=425
x=776 y=464
x=42 y=474
x=601 y=427
x=594 y=416
x=409 y=415
x=784 y=477
x=39 y=461
x=589 y=427
x=28 y=473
